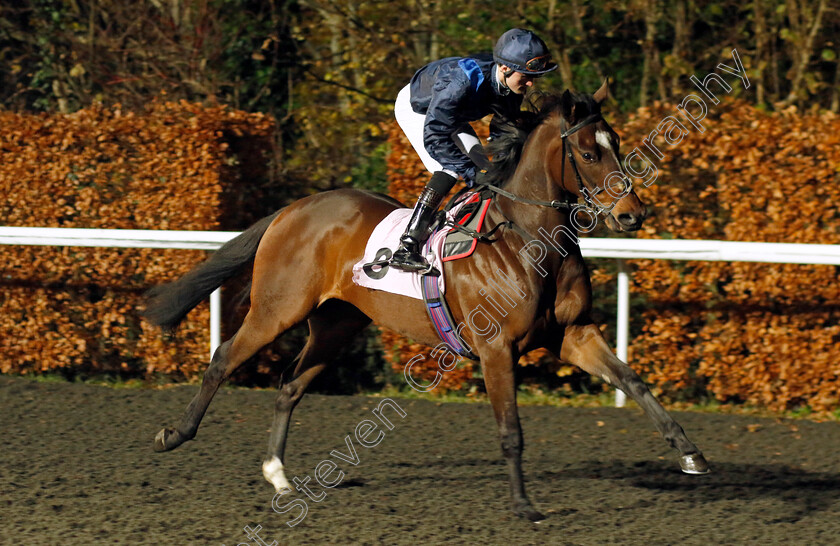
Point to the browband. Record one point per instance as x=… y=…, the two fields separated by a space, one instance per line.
x=580 y=125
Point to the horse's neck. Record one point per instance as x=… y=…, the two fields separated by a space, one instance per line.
x=531 y=180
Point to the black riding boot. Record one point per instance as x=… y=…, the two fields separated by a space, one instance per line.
x=407 y=257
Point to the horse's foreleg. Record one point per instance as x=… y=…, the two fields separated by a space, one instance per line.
x=287 y=399
x=586 y=347
x=497 y=366
x=258 y=330
x=331 y=327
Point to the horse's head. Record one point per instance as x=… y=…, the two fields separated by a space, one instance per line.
x=582 y=159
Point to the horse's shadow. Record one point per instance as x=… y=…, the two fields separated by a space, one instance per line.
x=804 y=492
x=810 y=491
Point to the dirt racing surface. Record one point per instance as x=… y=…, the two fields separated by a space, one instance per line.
x=78 y=467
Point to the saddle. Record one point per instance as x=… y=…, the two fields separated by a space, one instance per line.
x=455 y=234
x=461 y=240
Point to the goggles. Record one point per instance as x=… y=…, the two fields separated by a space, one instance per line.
x=538 y=64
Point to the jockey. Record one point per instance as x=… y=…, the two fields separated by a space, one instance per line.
x=435 y=108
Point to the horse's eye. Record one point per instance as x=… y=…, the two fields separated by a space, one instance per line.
x=587 y=156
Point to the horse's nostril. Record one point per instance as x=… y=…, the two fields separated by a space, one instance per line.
x=627 y=219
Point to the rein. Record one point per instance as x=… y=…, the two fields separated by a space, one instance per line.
x=487 y=237
x=555 y=204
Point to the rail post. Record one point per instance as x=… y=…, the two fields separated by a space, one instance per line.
x=215 y=320
x=622 y=323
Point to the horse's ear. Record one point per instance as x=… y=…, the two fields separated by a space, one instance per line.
x=601 y=94
x=567 y=106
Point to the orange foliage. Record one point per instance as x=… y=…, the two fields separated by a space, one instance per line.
x=167 y=168
x=767 y=334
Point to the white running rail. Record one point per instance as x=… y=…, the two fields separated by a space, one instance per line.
x=620 y=249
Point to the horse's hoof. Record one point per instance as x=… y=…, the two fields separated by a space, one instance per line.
x=163 y=440
x=528 y=512
x=694 y=463
x=273 y=472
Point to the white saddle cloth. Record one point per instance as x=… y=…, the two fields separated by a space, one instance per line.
x=381 y=245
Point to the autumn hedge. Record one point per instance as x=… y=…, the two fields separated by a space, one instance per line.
x=174 y=166
x=766 y=334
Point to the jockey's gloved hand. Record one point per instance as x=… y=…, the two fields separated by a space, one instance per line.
x=480 y=177
x=479 y=157
x=482 y=163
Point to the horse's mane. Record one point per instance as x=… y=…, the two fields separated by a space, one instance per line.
x=511 y=133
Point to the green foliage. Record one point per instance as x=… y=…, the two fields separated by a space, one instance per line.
x=63 y=55
x=369 y=173
x=329 y=72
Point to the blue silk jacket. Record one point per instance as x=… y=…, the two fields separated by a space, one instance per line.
x=454 y=91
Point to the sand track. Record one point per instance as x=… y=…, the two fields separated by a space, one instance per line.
x=77 y=467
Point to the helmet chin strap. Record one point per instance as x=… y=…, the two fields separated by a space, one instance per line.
x=505 y=75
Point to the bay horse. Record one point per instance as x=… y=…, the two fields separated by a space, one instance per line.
x=303 y=257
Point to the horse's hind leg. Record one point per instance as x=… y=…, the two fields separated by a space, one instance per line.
x=260 y=327
x=331 y=327
x=586 y=347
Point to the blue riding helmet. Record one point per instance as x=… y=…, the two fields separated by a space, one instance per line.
x=523 y=51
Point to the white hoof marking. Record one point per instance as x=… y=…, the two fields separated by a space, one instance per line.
x=273 y=471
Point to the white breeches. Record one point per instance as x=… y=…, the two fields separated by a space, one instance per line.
x=412 y=125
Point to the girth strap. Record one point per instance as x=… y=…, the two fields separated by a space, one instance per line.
x=442 y=321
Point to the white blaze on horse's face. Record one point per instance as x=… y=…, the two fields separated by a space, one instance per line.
x=603 y=138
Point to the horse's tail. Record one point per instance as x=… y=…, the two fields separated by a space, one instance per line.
x=168 y=304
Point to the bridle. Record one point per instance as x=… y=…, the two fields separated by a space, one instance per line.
x=584 y=191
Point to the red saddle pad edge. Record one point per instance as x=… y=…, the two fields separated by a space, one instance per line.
x=482 y=212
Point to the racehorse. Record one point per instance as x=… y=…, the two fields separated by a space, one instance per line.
x=303 y=257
